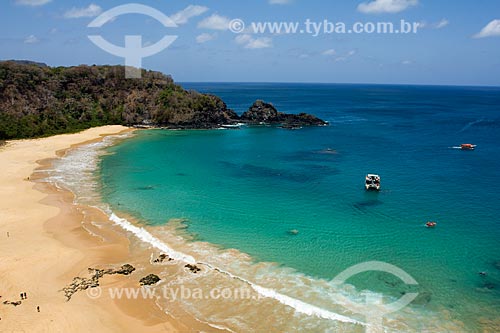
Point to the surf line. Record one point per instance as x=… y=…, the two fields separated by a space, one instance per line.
x=298 y=305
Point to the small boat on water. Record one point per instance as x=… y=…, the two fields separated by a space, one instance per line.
x=372 y=182
x=468 y=146
x=431 y=224
x=232 y=126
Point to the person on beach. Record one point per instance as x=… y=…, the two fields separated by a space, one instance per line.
x=22 y=296
x=38 y=308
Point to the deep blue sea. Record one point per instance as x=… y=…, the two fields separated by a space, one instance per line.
x=247 y=189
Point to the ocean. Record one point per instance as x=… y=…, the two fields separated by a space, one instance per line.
x=285 y=211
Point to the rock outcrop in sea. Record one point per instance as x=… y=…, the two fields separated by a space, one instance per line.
x=193 y=268
x=266 y=113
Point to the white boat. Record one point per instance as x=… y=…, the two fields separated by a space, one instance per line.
x=232 y=126
x=372 y=182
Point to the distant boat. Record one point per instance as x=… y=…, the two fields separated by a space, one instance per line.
x=232 y=126
x=431 y=224
x=468 y=146
x=372 y=182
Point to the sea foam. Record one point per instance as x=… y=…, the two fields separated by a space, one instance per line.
x=298 y=305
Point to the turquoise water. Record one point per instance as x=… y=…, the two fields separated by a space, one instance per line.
x=246 y=189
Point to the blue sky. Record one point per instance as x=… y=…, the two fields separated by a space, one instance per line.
x=457 y=43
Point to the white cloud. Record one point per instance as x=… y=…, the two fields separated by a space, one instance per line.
x=492 y=29
x=190 y=11
x=254 y=43
x=243 y=39
x=260 y=43
x=279 y=2
x=32 y=2
x=406 y=62
x=215 y=22
x=205 y=37
x=441 y=24
x=333 y=53
x=330 y=52
x=386 y=6
x=32 y=39
x=346 y=56
x=438 y=25
x=422 y=25
x=90 y=11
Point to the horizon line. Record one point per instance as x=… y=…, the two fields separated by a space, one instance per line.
x=281 y=82
x=348 y=83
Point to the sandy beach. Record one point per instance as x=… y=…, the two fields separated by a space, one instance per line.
x=44 y=246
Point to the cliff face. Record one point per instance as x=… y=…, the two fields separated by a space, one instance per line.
x=40 y=100
x=37 y=100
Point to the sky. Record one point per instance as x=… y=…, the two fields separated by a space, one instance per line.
x=455 y=43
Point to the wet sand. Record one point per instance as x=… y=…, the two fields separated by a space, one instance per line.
x=46 y=241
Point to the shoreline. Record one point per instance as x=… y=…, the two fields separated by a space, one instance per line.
x=115 y=246
x=46 y=243
x=78 y=237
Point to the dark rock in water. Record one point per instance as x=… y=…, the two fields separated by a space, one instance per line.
x=149 y=280
x=265 y=113
x=423 y=298
x=304 y=119
x=361 y=205
x=251 y=171
x=262 y=112
x=368 y=203
x=291 y=126
x=163 y=257
x=389 y=279
x=193 y=268
x=146 y=188
x=489 y=285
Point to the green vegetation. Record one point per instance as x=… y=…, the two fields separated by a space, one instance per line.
x=40 y=101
